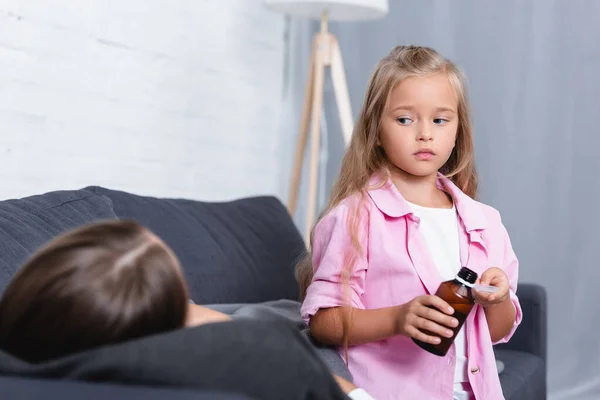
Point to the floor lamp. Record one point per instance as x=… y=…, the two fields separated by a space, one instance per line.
x=325 y=54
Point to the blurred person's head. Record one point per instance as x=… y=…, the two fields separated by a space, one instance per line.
x=99 y=284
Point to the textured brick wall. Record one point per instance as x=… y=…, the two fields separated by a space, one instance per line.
x=160 y=97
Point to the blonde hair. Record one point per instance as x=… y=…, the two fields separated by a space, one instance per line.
x=364 y=157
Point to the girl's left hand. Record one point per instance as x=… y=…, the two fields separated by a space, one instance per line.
x=497 y=278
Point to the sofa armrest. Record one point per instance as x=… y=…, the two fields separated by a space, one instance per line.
x=531 y=335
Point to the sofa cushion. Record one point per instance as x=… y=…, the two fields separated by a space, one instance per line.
x=524 y=375
x=262 y=359
x=28 y=223
x=241 y=251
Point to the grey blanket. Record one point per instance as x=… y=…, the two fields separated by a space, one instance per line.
x=290 y=310
x=286 y=310
x=268 y=360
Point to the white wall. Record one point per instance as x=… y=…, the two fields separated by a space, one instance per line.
x=159 y=97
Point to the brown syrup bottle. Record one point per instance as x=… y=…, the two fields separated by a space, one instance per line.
x=460 y=297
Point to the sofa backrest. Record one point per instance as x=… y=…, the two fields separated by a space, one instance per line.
x=28 y=223
x=241 y=251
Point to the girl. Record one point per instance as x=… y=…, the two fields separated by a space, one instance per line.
x=103 y=283
x=401 y=219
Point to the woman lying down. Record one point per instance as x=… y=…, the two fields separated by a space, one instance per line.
x=101 y=284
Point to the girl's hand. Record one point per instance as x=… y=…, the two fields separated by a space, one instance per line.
x=497 y=278
x=425 y=313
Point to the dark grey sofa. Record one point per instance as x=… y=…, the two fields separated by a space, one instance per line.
x=234 y=254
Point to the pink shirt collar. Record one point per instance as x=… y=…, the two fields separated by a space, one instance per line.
x=389 y=201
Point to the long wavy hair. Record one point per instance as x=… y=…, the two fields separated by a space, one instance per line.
x=364 y=157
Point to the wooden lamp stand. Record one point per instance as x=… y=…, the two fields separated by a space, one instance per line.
x=325 y=53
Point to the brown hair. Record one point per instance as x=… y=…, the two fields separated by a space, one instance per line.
x=364 y=157
x=103 y=283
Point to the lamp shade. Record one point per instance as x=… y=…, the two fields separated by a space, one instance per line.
x=340 y=10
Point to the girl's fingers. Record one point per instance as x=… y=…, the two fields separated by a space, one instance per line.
x=432 y=327
x=483 y=297
x=417 y=334
x=438 y=303
x=436 y=317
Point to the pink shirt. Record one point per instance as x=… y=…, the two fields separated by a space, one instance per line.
x=395 y=268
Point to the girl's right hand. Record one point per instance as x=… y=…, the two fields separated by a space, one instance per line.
x=425 y=313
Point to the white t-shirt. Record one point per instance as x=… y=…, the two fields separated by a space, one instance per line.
x=439 y=227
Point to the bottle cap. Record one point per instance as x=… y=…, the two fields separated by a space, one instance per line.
x=467 y=275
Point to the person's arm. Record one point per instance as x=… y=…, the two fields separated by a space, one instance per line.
x=409 y=319
x=335 y=283
x=199 y=315
x=502 y=309
x=500 y=318
x=366 y=326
